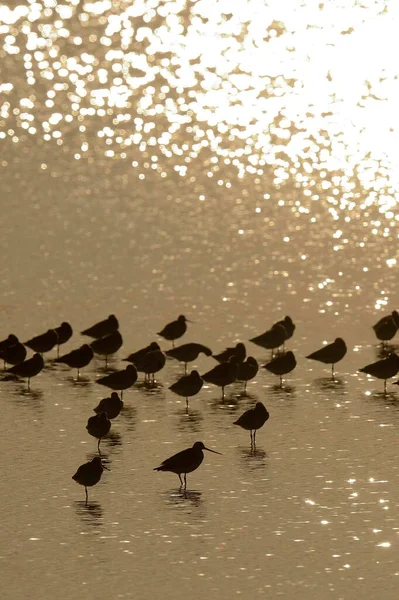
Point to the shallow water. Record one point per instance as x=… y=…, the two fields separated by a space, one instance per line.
x=251 y=173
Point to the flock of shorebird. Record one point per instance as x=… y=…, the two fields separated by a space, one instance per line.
x=233 y=365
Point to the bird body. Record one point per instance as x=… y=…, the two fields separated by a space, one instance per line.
x=120 y=380
x=107 y=345
x=253 y=419
x=188 y=386
x=271 y=339
x=185 y=462
x=330 y=354
x=281 y=365
x=29 y=368
x=223 y=374
x=174 y=330
x=64 y=333
x=188 y=352
x=102 y=328
x=77 y=359
x=247 y=370
x=98 y=426
x=13 y=355
x=383 y=369
x=44 y=342
x=385 y=329
x=288 y=325
x=112 y=406
x=11 y=340
x=136 y=357
x=239 y=351
x=151 y=363
x=89 y=474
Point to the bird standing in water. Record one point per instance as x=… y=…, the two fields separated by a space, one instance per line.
x=271 y=339
x=64 y=333
x=107 y=345
x=188 y=386
x=385 y=329
x=383 y=369
x=174 y=330
x=136 y=357
x=102 y=328
x=281 y=365
x=98 y=426
x=188 y=352
x=239 y=351
x=247 y=370
x=120 y=380
x=29 y=368
x=14 y=354
x=77 y=359
x=43 y=342
x=112 y=406
x=330 y=354
x=252 y=420
x=223 y=374
x=89 y=474
x=185 y=462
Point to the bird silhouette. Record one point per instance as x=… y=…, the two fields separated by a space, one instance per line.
x=185 y=461
x=64 y=333
x=271 y=339
x=239 y=351
x=330 y=354
x=77 y=359
x=98 y=426
x=151 y=363
x=29 y=368
x=288 y=325
x=188 y=386
x=14 y=354
x=383 y=369
x=89 y=474
x=107 y=345
x=253 y=419
x=112 y=406
x=174 y=330
x=247 y=370
x=102 y=328
x=120 y=380
x=11 y=340
x=188 y=353
x=223 y=374
x=281 y=365
x=136 y=357
x=44 y=342
x=385 y=329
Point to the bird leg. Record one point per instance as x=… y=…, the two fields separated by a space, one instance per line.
x=254 y=439
x=106 y=361
x=58 y=351
x=121 y=394
x=281 y=381
x=332 y=372
x=87 y=495
x=185 y=481
x=185 y=368
x=222 y=392
x=252 y=443
x=385 y=386
x=173 y=343
x=98 y=447
x=181 y=481
x=78 y=376
x=28 y=384
x=245 y=387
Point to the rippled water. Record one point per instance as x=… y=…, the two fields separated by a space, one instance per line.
x=234 y=162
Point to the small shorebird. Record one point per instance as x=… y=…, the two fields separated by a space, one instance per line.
x=222 y=374
x=151 y=363
x=288 y=325
x=174 y=330
x=137 y=356
x=29 y=368
x=102 y=328
x=239 y=351
x=107 y=345
x=281 y=365
x=330 y=354
x=385 y=329
x=271 y=339
x=11 y=340
x=64 y=333
x=98 y=426
x=13 y=355
x=112 y=406
x=120 y=380
x=188 y=352
x=89 y=474
x=188 y=386
x=77 y=359
x=44 y=342
x=247 y=370
x=253 y=419
x=185 y=462
x=383 y=369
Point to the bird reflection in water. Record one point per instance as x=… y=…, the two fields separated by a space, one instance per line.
x=332 y=385
x=90 y=513
x=113 y=439
x=28 y=396
x=384 y=350
x=184 y=498
x=151 y=389
x=254 y=458
x=387 y=398
x=189 y=420
x=286 y=391
x=81 y=383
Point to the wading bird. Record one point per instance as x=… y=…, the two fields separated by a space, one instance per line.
x=223 y=374
x=102 y=328
x=188 y=353
x=281 y=365
x=383 y=369
x=98 y=426
x=107 y=345
x=43 y=342
x=253 y=419
x=239 y=351
x=89 y=474
x=174 y=330
x=330 y=354
x=188 y=386
x=77 y=359
x=29 y=368
x=112 y=406
x=120 y=380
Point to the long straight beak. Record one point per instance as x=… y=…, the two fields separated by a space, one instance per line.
x=188 y=321
x=106 y=468
x=214 y=451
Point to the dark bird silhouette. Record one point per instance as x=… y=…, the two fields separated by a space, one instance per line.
x=188 y=386
x=64 y=333
x=89 y=474
x=288 y=325
x=98 y=426
x=29 y=368
x=188 y=353
x=136 y=357
x=239 y=351
x=107 y=345
x=151 y=363
x=247 y=370
x=281 y=365
x=103 y=328
x=385 y=329
x=223 y=374
x=77 y=359
x=383 y=369
x=253 y=419
x=13 y=355
x=44 y=342
x=11 y=340
x=271 y=339
x=112 y=406
x=185 y=462
x=120 y=380
x=330 y=354
x=174 y=330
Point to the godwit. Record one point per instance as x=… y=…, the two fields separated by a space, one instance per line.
x=107 y=345
x=188 y=352
x=188 y=386
x=112 y=406
x=239 y=351
x=185 y=462
x=120 y=380
x=247 y=370
x=383 y=369
x=98 y=426
x=13 y=355
x=29 y=368
x=386 y=328
x=151 y=363
x=281 y=365
x=102 y=328
x=136 y=357
x=11 y=340
x=222 y=374
x=89 y=474
x=330 y=354
x=174 y=330
x=44 y=342
x=253 y=419
x=271 y=339
x=64 y=333
x=77 y=359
